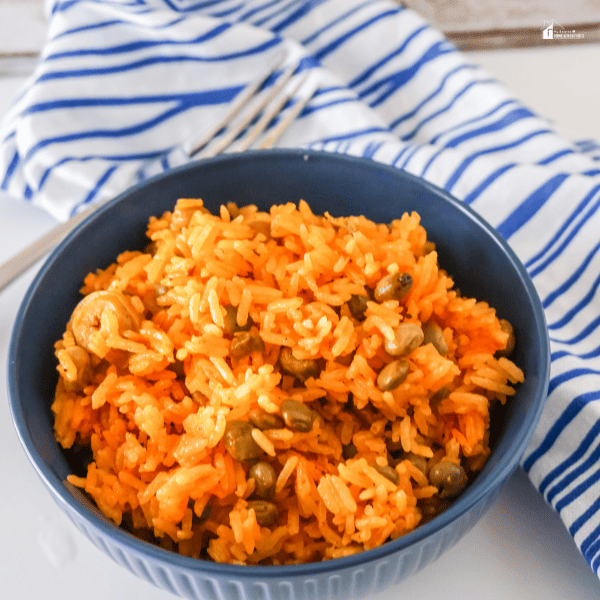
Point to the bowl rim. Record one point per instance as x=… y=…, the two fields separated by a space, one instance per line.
x=471 y=497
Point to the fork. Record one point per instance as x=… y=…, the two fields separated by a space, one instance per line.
x=251 y=121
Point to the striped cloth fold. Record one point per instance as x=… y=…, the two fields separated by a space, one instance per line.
x=120 y=82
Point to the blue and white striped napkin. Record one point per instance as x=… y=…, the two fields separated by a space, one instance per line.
x=121 y=81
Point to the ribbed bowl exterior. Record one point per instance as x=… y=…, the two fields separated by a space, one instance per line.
x=353 y=582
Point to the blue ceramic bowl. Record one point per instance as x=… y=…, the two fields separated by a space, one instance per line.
x=480 y=261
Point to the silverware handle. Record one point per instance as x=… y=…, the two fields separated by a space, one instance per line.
x=19 y=263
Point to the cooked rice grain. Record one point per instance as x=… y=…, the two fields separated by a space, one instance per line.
x=154 y=388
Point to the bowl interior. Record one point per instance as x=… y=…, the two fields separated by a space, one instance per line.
x=480 y=262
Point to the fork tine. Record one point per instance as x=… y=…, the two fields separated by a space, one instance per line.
x=307 y=89
x=273 y=109
x=247 y=114
x=201 y=138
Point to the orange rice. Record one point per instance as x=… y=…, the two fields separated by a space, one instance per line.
x=152 y=387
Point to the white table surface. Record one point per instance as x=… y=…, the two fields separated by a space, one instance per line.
x=519 y=550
